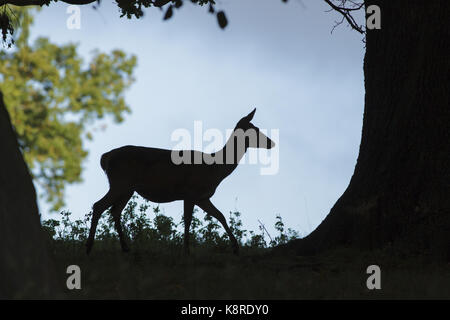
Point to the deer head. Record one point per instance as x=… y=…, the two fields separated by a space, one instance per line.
x=251 y=134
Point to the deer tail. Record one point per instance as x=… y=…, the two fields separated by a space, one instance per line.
x=104 y=161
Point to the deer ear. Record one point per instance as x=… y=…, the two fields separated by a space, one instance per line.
x=249 y=117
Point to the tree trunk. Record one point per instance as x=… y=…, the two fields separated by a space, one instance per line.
x=26 y=270
x=399 y=193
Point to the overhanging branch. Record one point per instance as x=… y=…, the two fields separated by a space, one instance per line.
x=133 y=8
x=23 y=3
x=345 y=11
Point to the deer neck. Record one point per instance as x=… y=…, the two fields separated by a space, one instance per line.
x=230 y=154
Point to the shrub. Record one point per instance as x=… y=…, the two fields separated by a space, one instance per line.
x=144 y=230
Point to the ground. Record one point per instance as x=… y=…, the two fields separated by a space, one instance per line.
x=215 y=273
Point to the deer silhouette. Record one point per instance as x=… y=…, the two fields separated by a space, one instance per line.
x=159 y=176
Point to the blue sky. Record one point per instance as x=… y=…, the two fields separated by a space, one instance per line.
x=280 y=58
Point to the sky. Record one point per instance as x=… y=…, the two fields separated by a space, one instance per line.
x=306 y=83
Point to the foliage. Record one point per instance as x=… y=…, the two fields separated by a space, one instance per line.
x=145 y=226
x=127 y=8
x=283 y=237
x=134 y=8
x=54 y=97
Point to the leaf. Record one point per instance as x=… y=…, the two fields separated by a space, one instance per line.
x=178 y=4
x=222 y=19
x=54 y=97
x=160 y=3
x=169 y=13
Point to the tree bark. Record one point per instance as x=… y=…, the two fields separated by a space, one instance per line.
x=399 y=193
x=26 y=269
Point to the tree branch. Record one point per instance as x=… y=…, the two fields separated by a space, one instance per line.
x=23 y=3
x=345 y=12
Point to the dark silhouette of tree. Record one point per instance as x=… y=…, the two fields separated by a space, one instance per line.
x=26 y=270
x=399 y=191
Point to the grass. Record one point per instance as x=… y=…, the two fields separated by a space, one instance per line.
x=157 y=268
x=166 y=273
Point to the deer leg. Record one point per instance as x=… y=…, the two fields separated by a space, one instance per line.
x=97 y=209
x=210 y=209
x=187 y=216
x=116 y=211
